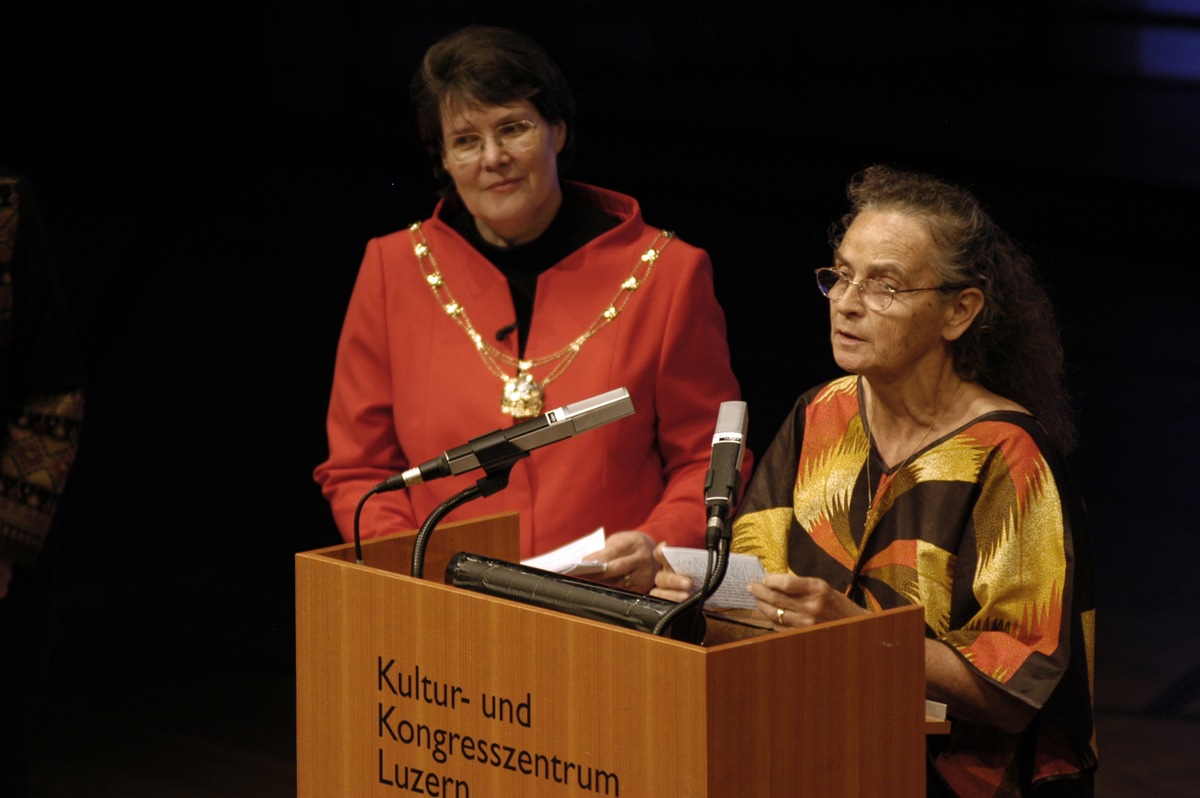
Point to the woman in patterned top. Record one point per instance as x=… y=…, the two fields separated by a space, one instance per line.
x=932 y=474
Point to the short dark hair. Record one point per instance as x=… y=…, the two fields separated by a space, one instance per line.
x=481 y=65
x=1013 y=347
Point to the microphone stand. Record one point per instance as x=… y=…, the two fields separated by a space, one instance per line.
x=719 y=539
x=497 y=460
x=496 y=453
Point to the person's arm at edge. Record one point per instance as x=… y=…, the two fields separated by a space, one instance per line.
x=363 y=449
x=967 y=694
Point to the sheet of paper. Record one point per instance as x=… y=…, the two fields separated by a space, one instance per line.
x=731 y=593
x=568 y=559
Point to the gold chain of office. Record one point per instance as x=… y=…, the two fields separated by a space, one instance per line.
x=523 y=396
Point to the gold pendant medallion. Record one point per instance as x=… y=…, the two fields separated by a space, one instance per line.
x=523 y=397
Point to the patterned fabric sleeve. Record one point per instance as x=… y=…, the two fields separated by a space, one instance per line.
x=41 y=378
x=37 y=452
x=1020 y=570
x=766 y=514
x=1023 y=615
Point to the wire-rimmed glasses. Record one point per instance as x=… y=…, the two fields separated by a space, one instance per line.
x=876 y=294
x=516 y=136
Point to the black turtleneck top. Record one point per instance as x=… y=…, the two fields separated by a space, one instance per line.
x=576 y=223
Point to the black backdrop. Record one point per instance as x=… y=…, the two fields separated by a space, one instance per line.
x=211 y=173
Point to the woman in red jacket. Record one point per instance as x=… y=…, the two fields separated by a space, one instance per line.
x=521 y=293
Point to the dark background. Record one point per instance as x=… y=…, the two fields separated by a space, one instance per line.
x=211 y=172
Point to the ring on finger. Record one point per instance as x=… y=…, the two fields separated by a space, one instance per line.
x=779 y=615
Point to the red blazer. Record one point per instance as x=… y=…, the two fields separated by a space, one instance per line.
x=409 y=384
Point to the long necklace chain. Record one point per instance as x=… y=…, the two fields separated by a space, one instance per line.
x=917 y=448
x=523 y=396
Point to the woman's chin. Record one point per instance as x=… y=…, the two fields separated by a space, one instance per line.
x=847 y=362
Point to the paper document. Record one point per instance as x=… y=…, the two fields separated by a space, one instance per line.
x=568 y=559
x=731 y=593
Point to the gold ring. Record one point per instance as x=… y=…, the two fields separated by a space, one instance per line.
x=628 y=580
x=779 y=615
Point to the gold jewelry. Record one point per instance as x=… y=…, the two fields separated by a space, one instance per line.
x=523 y=396
x=917 y=448
x=628 y=581
x=779 y=615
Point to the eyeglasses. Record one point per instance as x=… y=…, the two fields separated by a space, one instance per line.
x=511 y=136
x=876 y=295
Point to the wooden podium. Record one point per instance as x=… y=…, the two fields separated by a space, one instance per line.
x=412 y=687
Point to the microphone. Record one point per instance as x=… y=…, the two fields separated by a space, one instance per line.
x=517 y=441
x=720 y=490
x=724 y=473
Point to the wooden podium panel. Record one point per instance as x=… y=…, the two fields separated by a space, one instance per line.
x=410 y=685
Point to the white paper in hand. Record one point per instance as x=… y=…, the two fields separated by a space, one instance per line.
x=731 y=593
x=568 y=559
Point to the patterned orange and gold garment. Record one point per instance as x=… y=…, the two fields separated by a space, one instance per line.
x=984 y=529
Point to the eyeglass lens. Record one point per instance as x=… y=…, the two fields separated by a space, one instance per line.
x=834 y=284
x=512 y=136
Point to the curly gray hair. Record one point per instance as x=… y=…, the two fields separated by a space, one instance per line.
x=1013 y=347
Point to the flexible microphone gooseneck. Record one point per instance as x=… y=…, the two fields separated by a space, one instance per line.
x=721 y=490
x=496 y=453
